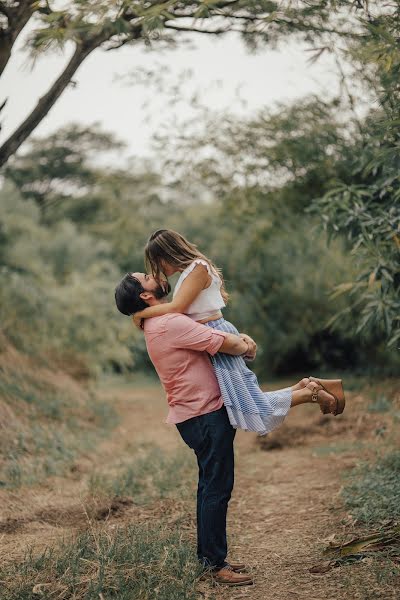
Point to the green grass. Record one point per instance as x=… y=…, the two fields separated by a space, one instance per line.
x=46 y=400
x=45 y=451
x=374 y=492
x=142 y=379
x=380 y=404
x=338 y=448
x=133 y=562
x=151 y=475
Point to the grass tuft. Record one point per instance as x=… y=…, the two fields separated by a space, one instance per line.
x=49 y=423
x=133 y=561
x=152 y=475
x=381 y=404
x=374 y=494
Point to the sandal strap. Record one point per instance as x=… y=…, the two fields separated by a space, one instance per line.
x=314 y=392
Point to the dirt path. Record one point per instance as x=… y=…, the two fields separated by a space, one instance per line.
x=285 y=503
x=282 y=510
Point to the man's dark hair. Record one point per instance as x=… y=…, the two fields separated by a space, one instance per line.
x=127 y=295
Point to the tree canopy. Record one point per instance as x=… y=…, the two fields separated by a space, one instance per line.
x=88 y=25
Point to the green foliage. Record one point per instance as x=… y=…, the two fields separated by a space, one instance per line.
x=364 y=204
x=56 y=288
x=281 y=281
x=57 y=169
x=279 y=270
x=93 y=224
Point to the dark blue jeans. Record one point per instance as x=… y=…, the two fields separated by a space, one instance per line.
x=211 y=438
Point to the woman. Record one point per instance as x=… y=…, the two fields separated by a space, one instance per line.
x=200 y=294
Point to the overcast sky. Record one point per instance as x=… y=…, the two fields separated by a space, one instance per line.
x=224 y=73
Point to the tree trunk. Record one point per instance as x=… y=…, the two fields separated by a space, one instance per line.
x=45 y=103
x=5 y=50
x=17 y=18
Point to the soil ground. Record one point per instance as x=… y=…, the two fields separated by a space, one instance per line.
x=285 y=508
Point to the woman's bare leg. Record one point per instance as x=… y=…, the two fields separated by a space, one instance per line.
x=301 y=396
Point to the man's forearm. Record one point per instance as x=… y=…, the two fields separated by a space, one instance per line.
x=233 y=344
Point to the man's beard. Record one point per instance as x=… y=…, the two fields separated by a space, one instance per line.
x=162 y=291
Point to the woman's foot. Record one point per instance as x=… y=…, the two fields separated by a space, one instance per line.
x=301 y=384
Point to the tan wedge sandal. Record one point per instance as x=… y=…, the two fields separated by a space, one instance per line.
x=327 y=402
x=335 y=388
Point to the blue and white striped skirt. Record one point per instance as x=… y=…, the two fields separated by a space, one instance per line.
x=248 y=407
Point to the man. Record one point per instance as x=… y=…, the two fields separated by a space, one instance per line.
x=178 y=348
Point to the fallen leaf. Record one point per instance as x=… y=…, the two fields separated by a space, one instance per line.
x=369 y=543
x=322 y=567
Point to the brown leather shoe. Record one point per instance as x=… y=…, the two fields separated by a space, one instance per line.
x=237 y=566
x=227 y=576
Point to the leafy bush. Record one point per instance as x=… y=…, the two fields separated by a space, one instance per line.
x=56 y=289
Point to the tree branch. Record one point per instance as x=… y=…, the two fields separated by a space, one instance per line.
x=251 y=18
x=45 y=103
x=17 y=19
x=197 y=30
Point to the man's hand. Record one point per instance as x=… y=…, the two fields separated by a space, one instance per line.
x=252 y=351
x=137 y=320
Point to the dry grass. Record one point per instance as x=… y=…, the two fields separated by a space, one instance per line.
x=131 y=561
x=125 y=510
x=46 y=420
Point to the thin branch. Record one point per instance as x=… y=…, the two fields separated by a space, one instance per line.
x=241 y=17
x=345 y=87
x=197 y=30
x=309 y=27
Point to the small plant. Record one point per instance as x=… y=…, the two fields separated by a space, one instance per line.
x=381 y=404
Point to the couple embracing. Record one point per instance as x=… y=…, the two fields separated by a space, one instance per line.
x=201 y=359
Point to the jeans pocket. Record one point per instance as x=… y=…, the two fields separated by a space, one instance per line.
x=193 y=434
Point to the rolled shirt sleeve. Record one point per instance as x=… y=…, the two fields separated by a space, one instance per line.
x=183 y=332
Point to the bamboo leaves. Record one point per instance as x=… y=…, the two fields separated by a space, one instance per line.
x=387 y=539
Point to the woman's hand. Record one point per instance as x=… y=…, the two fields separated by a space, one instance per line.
x=138 y=319
x=252 y=346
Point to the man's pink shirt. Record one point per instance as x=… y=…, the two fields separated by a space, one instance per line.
x=178 y=348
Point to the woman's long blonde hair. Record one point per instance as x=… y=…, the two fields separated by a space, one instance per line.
x=170 y=246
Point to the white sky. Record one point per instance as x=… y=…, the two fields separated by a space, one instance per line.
x=246 y=82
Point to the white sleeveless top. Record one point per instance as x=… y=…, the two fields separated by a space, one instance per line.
x=210 y=300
